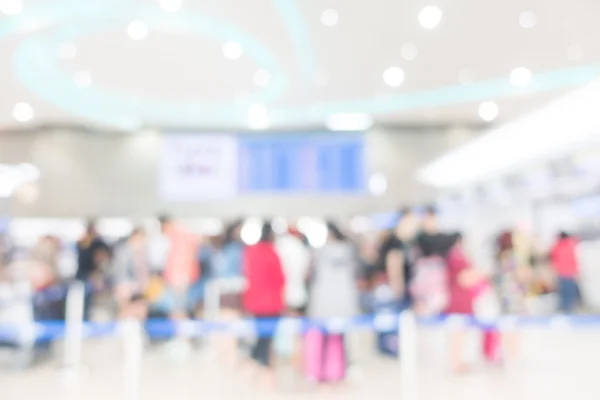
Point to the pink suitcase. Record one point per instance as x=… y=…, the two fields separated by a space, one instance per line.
x=492 y=349
x=324 y=356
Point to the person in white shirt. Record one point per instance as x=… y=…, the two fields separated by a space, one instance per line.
x=295 y=258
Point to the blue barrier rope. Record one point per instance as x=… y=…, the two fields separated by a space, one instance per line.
x=162 y=329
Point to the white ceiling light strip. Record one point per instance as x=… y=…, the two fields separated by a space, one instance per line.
x=551 y=131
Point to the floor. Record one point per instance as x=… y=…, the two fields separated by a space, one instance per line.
x=552 y=365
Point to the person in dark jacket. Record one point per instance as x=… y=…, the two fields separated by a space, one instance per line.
x=92 y=254
x=264 y=295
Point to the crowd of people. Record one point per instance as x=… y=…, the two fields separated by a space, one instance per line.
x=177 y=275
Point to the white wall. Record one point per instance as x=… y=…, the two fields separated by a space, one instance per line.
x=86 y=174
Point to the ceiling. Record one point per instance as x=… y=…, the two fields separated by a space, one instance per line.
x=73 y=61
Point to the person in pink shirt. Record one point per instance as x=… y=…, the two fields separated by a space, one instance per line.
x=181 y=267
x=563 y=257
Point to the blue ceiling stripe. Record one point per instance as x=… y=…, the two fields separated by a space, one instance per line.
x=300 y=35
x=36 y=66
x=443 y=96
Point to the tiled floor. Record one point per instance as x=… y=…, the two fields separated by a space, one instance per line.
x=552 y=365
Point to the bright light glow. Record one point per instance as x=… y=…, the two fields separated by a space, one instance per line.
x=22 y=112
x=27 y=193
x=315 y=231
x=488 y=111
x=520 y=76
x=349 y=122
x=114 y=227
x=170 y=5
x=258 y=116
x=466 y=76
x=575 y=53
x=137 y=30
x=28 y=172
x=232 y=50
x=393 y=76
x=82 y=79
x=26 y=231
x=262 y=78
x=430 y=17
x=409 y=51
x=11 y=7
x=544 y=134
x=280 y=225
x=329 y=17
x=527 y=19
x=14 y=176
x=34 y=23
x=360 y=224
x=68 y=50
x=210 y=226
x=378 y=184
x=251 y=230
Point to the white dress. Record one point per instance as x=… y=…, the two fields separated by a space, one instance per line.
x=295 y=260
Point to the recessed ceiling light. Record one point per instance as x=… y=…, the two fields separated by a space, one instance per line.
x=262 y=78
x=430 y=17
x=575 y=53
x=329 y=17
x=349 y=122
x=232 y=50
x=520 y=76
x=466 y=76
x=488 y=111
x=409 y=51
x=258 y=117
x=22 y=112
x=527 y=19
x=11 y=7
x=393 y=76
x=82 y=79
x=170 y=5
x=137 y=30
x=68 y=50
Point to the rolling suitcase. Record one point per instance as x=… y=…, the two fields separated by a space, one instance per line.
x=324 y=356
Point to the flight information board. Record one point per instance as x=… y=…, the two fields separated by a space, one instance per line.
x=327 y=164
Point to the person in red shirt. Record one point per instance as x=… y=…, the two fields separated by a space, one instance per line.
x=564 y=262
x=264 y=295
x=462 y=279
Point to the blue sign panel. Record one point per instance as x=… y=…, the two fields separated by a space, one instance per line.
x=325 y=164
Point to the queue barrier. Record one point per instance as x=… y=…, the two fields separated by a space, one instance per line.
x=384 y=322
x=132 y=334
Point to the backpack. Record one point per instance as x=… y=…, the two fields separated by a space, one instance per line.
x=429 y=286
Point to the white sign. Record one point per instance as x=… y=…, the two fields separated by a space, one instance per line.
x=198 y=167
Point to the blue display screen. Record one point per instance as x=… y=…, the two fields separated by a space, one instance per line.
x=325 y=164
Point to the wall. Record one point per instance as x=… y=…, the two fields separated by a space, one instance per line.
x=87 y=174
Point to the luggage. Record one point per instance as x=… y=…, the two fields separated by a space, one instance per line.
x=324 y=356
x=492 y=346
x=487 y=310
